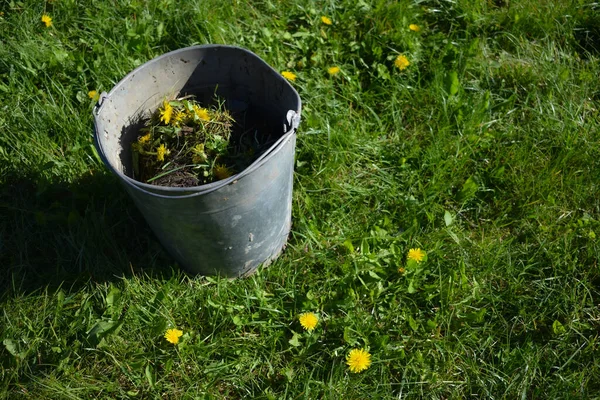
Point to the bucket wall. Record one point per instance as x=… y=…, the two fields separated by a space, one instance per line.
x=228 y=227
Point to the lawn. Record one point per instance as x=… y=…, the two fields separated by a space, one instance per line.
x=469 y=129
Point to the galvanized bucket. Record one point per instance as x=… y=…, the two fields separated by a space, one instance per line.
x=231 y=226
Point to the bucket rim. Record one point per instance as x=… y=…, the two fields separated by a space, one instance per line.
x=293 y=120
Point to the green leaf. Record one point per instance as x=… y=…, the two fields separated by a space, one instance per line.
x=372 y=274
x=411 y=289
x=289 y=373
x=448 y=219
x=294 y=341
x=412 y=323
x=382 y=72
x=364 y=247
x=159 y=30
x=468 y=190
x=103 y=329
x=349 y=336
x=451 y=83
x=113 y=296
x=413 y=265
x=11 y=346
x=82 y=97
x=150 y=376
x=169 y=365
x=558 y=328
x=476 y=316
x=348 y=245
x=60 y=56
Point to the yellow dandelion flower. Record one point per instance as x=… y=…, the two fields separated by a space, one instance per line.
x=92 y=94
x=166 y=112
x=47 y=20
x=416 y=255
x=144 y=139
x=161 y=152
x=309 y=321
x=178 y=118
x=358 y=360
x=290 y=76
x=173 y=335
x=414 y=27
x=333 y=70
x=198 y=149
x=201 y=113
x=326 y=20
x=221 y=171
x=401 y=270
x=401 y=62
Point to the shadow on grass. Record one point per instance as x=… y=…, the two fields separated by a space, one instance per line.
x=69 y=234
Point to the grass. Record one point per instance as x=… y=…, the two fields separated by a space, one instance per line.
x=484 y=153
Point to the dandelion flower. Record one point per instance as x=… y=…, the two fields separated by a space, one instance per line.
x=166 y=113
x=333 y=70
x=358 y=360
x=326 y=20
x=161 y=151
x=416 y=255
x=308 y=321
x=201 y=113
x=173 y=335
x=290 y=76
x=178 y=118
x=401 y=62
x=144 y=139
x=47 y=20
x=222 y=172
x=401 y=270
x=92 y=94
x=414 y=27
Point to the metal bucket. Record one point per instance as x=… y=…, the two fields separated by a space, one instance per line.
x=231 y=226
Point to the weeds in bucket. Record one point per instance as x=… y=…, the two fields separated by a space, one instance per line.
x=185 y=144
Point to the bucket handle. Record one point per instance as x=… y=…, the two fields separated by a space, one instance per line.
x=98 y=105
x=292 y=121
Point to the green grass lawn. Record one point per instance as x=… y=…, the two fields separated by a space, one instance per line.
x=483 y=151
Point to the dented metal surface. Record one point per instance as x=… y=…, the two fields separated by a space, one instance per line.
x=231 y=226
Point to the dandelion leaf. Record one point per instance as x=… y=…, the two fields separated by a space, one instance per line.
x=12 y=347
x=451 y=83
x=468 y=190
x=558 y=328
x=294 y=341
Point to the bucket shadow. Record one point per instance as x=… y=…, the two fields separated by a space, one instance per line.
x=65 y=235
